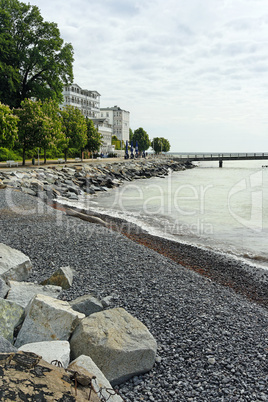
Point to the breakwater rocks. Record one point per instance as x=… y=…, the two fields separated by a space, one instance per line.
x=106 y=345
x=71 y=181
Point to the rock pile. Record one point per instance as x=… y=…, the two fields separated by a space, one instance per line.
x=70 y=182
x=107 y=346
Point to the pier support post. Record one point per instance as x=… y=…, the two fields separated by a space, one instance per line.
x=220 y=163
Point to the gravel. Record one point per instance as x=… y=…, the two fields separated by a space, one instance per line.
x=212 y=342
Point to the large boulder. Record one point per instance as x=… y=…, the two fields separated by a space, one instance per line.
x=48 y=319
x=62 y=277
x=11 y=315
x=27 y=377
x=54 y=351
x=86 y=304
x=119 y=344
x=22 y=292
x=14 y=265
x=88 y=372
x=4 y=288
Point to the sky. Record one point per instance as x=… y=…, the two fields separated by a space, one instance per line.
x=192 y=71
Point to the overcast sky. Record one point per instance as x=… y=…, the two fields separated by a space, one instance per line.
x=192 y=71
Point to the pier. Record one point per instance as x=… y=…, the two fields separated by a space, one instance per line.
x=221 y=157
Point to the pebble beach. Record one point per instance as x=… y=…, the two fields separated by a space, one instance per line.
x=212 y=338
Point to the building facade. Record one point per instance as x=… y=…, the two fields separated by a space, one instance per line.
x=87 y=101
x=119 y=120
x=105 y=129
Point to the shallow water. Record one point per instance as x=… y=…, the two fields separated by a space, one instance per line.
x=225 y=210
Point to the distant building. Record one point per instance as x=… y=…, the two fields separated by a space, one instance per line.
x=87 y=101
x=119 y=120
x=105 y=129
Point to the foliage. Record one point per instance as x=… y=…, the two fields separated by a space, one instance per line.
x=34 y=61
x=8 y=126
x=6 y=154
x=142 y=138
x=94 y=138
x=74 y=127
x=51 y=136
x=130 y=135
x=39 y=126
x=117 y=143
x=160 y=144
x=29 y=125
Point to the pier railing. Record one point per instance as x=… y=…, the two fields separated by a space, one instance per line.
x=220 y=157
x=215 y=156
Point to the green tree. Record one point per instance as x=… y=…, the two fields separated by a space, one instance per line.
x=74 y=127
x=34 y=61
x=39 y=126
x=8 y=127
x=29 y=125
x=50 y=135
x=160 y=144
x=94 y=138
x=165 y=145
x=142 y=138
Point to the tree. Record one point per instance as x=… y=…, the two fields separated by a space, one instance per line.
x=34 y=61
x=160 y=144
x=74 y=127
x=94 y=138
x=39 y=125
x=142 y=138
x=8 y=127
x=165 y=145
x=29 y=125
x=51 y=135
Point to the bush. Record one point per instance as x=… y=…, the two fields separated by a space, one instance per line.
x=6 y=154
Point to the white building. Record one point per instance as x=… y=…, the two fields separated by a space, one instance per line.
x=105 y=129
x=119 y=120
x=87 y=101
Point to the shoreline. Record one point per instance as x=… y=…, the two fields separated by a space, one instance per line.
x=212 y=342
x=249 y=281
x=222 y=269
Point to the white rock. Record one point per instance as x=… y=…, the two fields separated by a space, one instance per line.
x=14 y=265
x=49 y=351
x=22 y=292
x=47 y=319
x=85 y=367
x=11 y=315
x=119 y=344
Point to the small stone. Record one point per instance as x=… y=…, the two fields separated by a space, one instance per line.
x=211 y=360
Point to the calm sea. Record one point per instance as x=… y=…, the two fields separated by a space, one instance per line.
x=225 y=210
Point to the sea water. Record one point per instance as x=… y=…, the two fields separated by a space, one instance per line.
x=220 y=209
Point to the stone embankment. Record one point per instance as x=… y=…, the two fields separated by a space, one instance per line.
x=106 y=346
x=70 y=182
